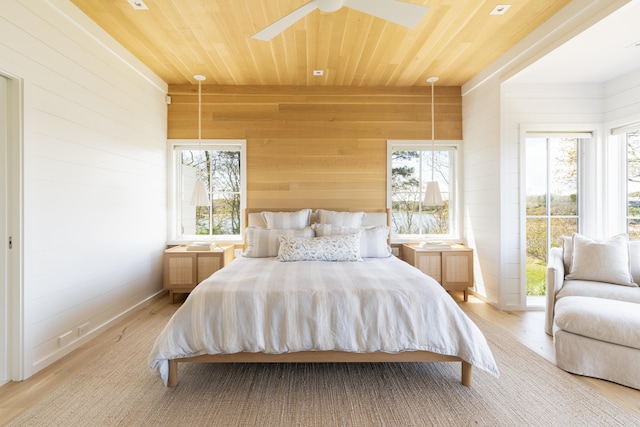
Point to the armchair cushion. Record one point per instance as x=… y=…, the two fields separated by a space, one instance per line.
x=606 y=320
x=609 y=291
x=601 y=260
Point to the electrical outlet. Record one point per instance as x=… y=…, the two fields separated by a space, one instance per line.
x=83 y=329
x=65 y=339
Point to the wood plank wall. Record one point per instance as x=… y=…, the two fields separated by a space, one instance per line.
x=315 y=146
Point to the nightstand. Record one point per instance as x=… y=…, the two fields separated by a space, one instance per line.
x=183 y=269
x=451 y=267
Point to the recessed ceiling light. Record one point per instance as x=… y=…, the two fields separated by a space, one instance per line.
x=318 y=72
x=138 y=4
x=500 y=9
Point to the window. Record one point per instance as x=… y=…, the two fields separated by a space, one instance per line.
x=221 y=165
x=633 y=183
x=552 y=200
x=412 y=165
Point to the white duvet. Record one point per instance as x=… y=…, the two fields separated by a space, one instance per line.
x=263 y=305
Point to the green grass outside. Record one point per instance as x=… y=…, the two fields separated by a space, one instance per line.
x=536 y=274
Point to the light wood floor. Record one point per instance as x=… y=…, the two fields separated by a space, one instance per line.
x=526 y=327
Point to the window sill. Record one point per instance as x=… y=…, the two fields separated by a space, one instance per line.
x=420 y=239
x=219 y=241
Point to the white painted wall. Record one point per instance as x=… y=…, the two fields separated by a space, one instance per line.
x=622 y=104
x=94 y=174
x=595 y=108
x=482 y=195
x=493 y=113
x=622 y=107
x=576 y=108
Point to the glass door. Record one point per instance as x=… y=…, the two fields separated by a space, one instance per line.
x=552 y=201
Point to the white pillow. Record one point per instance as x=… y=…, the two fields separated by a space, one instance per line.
x=601 y=260
x=343 y=219
x=373 y=240
x=343 y=247
x=263 y=242
x=287 y=220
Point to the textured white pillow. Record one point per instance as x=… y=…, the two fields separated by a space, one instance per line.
x=601 y=260
x=373 y=240
x=343 y=219
x=287 y=220
x=264 y=242
x=343 y=247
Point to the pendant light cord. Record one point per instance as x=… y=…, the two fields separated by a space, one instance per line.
x=433 y=132
x=200 y=196
x=199 y=78
x=199 y=113
x=432 y=80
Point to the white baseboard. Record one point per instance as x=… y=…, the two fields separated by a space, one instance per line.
x=93 y=333
x=492 y=303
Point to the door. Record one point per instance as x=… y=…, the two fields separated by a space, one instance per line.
x=553 y=201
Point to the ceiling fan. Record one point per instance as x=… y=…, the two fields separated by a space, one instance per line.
x=405 y=14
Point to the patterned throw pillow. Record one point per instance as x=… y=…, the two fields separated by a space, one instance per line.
x=343 y=247
x=373 y=240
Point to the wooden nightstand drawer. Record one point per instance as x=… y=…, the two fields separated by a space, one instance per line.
x=183 y=269
x=451 y=267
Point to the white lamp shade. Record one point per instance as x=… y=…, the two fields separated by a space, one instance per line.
x=200 y=197
x=433 y=197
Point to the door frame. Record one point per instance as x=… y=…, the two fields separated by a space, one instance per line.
x=588 y=200
x=4 y=231
x=11 y=285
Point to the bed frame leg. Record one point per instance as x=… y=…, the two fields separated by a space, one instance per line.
x=172 y=380
x=467 y=371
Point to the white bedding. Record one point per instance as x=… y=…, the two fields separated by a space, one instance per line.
x=263 y=305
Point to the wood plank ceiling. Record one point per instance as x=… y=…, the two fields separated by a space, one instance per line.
x=179 y=38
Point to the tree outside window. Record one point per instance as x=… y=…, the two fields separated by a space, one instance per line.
x=411 y=169
x=221 y=170
x=633 y=184
x=551 y=202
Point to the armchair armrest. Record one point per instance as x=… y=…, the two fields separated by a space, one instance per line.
x=554 y=280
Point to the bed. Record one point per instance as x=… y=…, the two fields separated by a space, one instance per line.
x=299 y=294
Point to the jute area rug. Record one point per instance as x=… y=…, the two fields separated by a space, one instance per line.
x=119 y=390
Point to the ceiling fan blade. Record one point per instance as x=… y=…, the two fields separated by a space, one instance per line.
x=285 y=22
x=401 y=13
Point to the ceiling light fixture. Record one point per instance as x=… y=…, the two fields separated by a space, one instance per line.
x=433 y=196
x=138 y=5
x=500 y=9
x=318 y=72
x=200 y=195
